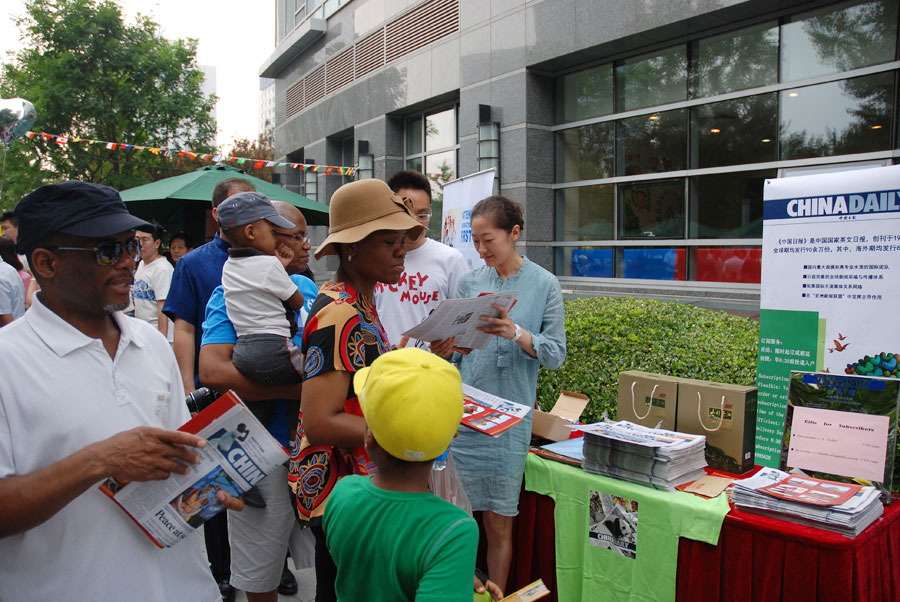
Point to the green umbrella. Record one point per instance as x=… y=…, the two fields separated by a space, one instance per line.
x=181 y=203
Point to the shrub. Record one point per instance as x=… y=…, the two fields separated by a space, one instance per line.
x=606 y=336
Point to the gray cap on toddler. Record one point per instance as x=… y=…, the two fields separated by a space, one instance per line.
x=247 y=207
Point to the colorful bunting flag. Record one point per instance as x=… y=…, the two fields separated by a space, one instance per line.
x=165 y=152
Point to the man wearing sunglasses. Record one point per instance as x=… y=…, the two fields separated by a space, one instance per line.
x=87 y=393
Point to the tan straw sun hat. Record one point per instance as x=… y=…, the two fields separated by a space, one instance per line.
x=359 y=208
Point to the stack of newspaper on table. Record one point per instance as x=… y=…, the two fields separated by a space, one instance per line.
x=653 y=457
x=844 y=508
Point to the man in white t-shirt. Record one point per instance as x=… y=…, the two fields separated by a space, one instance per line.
x=151 y=281
x=431 y=269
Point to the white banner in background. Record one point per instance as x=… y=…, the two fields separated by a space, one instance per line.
x=460 y=197
x=830 y=286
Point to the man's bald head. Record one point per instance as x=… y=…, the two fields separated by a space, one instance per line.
x=295 y=239
x=290 y=213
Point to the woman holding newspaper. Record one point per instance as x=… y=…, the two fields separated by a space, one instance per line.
x=369 y=228
x=530 y=335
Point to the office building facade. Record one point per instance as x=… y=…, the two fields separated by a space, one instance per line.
x=636 y=135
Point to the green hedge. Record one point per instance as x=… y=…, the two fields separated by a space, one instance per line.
x=606 y=336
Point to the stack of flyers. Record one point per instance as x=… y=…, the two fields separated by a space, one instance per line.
x=654 y=457
x=840 y=507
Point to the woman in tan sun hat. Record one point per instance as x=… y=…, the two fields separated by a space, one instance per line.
x=369 y=228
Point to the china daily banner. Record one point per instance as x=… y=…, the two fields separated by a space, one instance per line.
x=830 y=285
x=460 y=197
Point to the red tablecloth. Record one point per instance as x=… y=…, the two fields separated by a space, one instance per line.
x=758 y=559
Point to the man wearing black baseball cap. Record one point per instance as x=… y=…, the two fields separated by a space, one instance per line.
x=89 y=393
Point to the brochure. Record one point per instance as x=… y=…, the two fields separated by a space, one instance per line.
x=532 y=591
x=488 y=413
x=239 y=454
x=809 y=490
x=461 y=318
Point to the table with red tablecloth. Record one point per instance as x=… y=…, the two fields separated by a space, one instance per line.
x=757 y=559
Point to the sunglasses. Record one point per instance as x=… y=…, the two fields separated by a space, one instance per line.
x=302 y=239
x=110 y=252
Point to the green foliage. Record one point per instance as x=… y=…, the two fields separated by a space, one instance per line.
x=606 y=336
x=91 y=75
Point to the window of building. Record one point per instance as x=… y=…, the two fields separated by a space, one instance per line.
x=651 y=209
x=586 y=153
x=838 y=38
x=837 y=118
x=585 y=94
x=727 y=205
x=737 y=131
x=735 y=61
x=652 y=79
x=432 y=145
x=652 y=143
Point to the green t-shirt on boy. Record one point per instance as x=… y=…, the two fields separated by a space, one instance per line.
x=395 y=546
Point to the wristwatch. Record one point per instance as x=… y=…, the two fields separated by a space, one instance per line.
x=518 y=334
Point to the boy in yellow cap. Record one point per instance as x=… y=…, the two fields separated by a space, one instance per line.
x=390 y=538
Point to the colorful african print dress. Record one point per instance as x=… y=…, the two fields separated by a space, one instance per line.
x=342 y=333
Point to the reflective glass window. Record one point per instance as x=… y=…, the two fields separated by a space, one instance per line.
x=414 y=135
x=737 y=131
x=727 y=205
x=728 y=264
x=838 y=38
x=440 y=168
x=588 y=262
x=651 y=209
x=652 y=143
x=736 y=61
x=440 y=130
x=837 y=118
x=652 y=79
x=586 y=212
x=586 y=153
x=654 y=263
x=585 y=94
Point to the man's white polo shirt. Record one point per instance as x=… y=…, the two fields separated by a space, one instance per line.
x=60 y=392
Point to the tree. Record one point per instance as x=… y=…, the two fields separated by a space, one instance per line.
x=261 y=148
x=91 y=75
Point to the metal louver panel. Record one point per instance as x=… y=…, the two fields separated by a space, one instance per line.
x=339 y=71
x=315 y=86
x=423 y=25
x=370 y=53
x=420 y=27
x=295 y=99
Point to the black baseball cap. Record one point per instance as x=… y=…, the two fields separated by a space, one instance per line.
x=76 y=208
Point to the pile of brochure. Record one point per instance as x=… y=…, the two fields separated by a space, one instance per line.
x=805 y=500
x=653 y=457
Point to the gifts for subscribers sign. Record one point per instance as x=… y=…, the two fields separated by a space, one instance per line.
x=830 y=286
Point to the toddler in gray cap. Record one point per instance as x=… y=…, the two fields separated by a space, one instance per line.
x=259 y=294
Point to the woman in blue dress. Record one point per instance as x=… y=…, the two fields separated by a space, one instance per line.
x=531 y=335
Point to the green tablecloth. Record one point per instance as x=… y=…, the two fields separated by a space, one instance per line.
x=588 y=573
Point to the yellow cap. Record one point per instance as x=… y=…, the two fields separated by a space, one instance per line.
x=412 y=401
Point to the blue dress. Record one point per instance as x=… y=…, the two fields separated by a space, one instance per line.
x=491 y=468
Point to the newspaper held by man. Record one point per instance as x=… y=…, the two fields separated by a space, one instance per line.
x=239 y=454
x=461 y=318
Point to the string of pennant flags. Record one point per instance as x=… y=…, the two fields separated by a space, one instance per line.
x=328 y=170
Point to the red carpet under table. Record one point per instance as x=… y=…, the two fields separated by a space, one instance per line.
x=758 y=559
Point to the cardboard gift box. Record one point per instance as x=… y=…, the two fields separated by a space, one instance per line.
x=553 y=425
x=648 y=399
x=726 y=415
